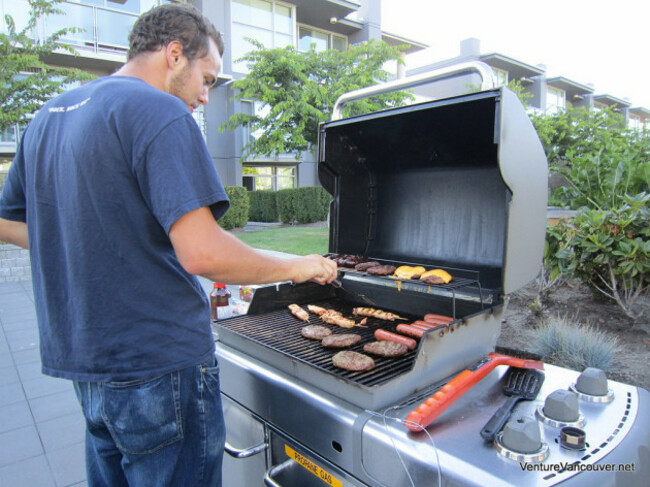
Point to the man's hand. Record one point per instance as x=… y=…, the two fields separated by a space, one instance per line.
x=314 y=268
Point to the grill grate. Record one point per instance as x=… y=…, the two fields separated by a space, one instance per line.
x=280 y=331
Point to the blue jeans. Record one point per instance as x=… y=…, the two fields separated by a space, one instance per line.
x=162 y=431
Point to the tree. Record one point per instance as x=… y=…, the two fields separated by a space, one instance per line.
x=299 y=89
x=26 y=82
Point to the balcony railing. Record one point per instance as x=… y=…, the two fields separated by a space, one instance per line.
x=104 y=29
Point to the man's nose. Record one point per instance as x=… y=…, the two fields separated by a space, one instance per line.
x=203 y=97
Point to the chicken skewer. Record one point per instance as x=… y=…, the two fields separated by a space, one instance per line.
x=298 y=312
x=377 y=313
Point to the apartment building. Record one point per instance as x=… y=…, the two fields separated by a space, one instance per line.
x=547 y=95
x=101 y=49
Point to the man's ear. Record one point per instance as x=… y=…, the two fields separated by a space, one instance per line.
x=174 y=53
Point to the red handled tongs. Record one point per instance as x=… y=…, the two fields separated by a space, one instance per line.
x=427 y=412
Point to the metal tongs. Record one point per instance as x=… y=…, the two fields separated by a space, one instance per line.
x=338 y=285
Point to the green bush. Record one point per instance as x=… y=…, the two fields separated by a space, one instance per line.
x=237 y=214
x=600 y=160
x=264 y=206
x=607 y=249
x=303 y=205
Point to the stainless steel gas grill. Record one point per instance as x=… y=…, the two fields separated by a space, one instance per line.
x=456 y=184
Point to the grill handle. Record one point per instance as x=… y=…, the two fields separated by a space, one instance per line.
x=276 y=470
x=245 y=452
x=488 y=81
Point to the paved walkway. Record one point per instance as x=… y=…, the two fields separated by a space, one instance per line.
x=41 y=424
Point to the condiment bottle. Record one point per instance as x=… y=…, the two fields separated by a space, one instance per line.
x=220 y=302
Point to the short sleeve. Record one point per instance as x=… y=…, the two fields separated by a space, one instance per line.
x=13 y=204
x=176 y=174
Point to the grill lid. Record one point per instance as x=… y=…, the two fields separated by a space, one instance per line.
x=458 y=183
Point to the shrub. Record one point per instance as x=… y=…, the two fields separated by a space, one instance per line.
x=608 y=249
x=303 y=205
x=562 y=342
x=263 y=206
x=237 y=214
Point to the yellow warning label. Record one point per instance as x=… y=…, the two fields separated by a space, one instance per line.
x=326 y=477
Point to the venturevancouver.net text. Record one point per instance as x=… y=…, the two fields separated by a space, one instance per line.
x=576 y=467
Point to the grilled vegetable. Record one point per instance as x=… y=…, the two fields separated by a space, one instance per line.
x=376 y=313
x=298 y=312
x=436 y=276
x=408 y=272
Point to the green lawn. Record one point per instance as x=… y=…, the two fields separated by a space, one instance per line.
x=292 y=240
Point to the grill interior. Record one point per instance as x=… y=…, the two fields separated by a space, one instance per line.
x=280 y=331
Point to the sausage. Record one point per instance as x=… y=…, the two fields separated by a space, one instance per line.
x=410 y=330
x=425 y=324
x=394 y=337
x=434 y=318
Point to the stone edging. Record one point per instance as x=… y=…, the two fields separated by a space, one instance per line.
x=14 y=264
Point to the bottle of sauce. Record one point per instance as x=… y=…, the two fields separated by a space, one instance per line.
x=220 y=302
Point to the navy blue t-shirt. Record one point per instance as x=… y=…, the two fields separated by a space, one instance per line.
x=102 y=173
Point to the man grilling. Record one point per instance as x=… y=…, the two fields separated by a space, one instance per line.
x=115 y=194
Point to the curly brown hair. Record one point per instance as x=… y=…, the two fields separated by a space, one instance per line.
x=173 y=22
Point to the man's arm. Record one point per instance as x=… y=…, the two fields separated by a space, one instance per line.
x=204 y=248
x=14 y=232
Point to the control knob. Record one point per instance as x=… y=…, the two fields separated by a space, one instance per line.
x=561 y=409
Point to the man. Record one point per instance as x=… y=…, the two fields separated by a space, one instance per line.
x=114 y=193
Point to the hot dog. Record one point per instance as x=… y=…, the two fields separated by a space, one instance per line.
x=394 y=337
x=434 y=318
x=410 y=330
x=425 y=324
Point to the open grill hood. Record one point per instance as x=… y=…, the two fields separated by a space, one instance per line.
x=457 y=183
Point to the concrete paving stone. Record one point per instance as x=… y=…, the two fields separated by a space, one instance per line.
x=22 y=339
x=27 y=356
x=11 y=393
x=44 y=386
x=62 y=432
x=55 y=405
x=32 y=472
x=16 y=320
x=19 y=444
x=22 y=324
x=8 y=375
x=29 y=371
x=68 y=465
x=14 y=416
x=6 y=358
x=19 y=315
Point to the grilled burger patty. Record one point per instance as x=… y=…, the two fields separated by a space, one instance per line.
x=349 y=360
x=385 y=348
x=364 y=266
x=381 y=270
x=315 y=332
x=341 y=340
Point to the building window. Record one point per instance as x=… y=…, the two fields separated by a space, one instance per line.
x=634 y=123
x=555 y=100
x=321 y=39
x=269 y=22
x=273 y=178
x=501 y=76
